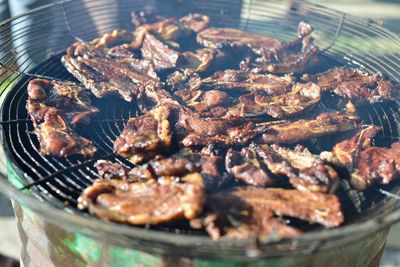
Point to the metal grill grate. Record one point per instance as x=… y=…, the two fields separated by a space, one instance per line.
x=60 y=181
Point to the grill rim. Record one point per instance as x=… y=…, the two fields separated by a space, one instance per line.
x=74 y=221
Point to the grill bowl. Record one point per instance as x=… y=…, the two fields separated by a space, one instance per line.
x=47 y=209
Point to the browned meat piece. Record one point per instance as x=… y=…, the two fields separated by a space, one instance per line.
x=305 y=171
x=159 y=53
x=290 y=57
x=55 y=136
x=243 y=81
x=376 y=165
x=143 y=137
x=312 y=207
x=367 y=164
x=346 y=152
x=187 y=79
x=247 y=167
x=152 y=202
x=104 y=75
x=70 y=100
x=206 y=103
x=301 y=98
x=117 y=41
x=212 y=37
x=195 y=21
x=232 y=217
x=355 y=85
x=109 y=170
x=193 y=130
x=288 y=132
x=249 y=212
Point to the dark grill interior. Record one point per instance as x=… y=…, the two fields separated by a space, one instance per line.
x=60 y=181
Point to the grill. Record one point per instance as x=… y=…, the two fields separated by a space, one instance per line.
x=50 y=186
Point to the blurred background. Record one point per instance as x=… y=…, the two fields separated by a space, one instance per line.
x=384 y=12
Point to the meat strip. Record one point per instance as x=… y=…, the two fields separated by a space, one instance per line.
x=288 y=132
x=306 y=172
x=358 y=86
x=152 y=202
x=298 y=100
x=248 y=167
x=56 y=138
x=71 y=100
x=145 y=136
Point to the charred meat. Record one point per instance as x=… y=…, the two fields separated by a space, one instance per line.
x=56 y=137
x=144 y=137
x=355 y=85
x=237 y=81
x=301 y=98
x=288 y=132
x=70 y=99
x=150 y=202
x=306 y=172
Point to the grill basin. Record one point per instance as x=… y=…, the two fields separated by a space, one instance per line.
x=54 y=232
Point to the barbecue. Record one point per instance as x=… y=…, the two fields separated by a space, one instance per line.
x=192 y=127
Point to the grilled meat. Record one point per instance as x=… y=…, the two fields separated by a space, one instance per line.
x=290 y=57
x=144 y=137
x=230 y=216
x=159 y=53
x=54 y=108
x=355 y=85
x=195 y=21
x=151 y=202
x=366 y=164
x=288 y=132
x=125 y=76
x=301 y=98
x=248 y=167
x=55 y=136
x=186 y=79
x=249 y=212
x=211 y=103
x=70 y=100
x=238 y=81
x=306 y=172
x=212 y=37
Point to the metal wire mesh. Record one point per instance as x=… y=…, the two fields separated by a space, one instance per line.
x=60 y=181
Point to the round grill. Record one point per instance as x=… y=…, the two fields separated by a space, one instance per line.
x=57 y=182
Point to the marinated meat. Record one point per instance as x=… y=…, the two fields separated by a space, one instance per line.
x=55 y=136
x=186 y=79
x=306 y=172
x=346 y=152
x=376 y=165
x=238 y=81
x=247 y=166
x=229 y=216
x=355 y=85
x=152 y=202
x=290 y=57
x=288 y=132
x=249 y=212
x=301 y=98
x=193 y=130
x=109 y=170
x=211 y=103
x=120 y=43
x=159 y=53
x=312 y=207
x=70 y=100
x=125 y=76
x=367 y=164
x=212 y=37
x=144 y=137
